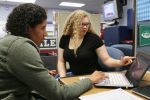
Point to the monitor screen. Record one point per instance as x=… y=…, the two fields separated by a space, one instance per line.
x=110 y=11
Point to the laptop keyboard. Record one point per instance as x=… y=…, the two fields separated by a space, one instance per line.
x=115 y=79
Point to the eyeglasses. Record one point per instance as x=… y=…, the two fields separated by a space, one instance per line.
x=85 y=24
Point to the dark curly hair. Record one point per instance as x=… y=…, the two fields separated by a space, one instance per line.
x=24 y=16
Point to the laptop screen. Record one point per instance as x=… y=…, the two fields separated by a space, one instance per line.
x=138 y=68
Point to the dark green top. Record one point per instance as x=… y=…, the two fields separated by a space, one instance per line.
x=21 y=71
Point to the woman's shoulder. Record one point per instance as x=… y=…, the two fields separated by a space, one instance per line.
x=92 y=35
x=65 y=37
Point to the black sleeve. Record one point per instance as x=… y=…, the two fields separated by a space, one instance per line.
x=63 y=41
x=97 y=41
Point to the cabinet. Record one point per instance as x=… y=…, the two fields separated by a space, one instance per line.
x=116 y=35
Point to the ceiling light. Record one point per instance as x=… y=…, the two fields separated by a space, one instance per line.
x=21 y=1
x=71 y=4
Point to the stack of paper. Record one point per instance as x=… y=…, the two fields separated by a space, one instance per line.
x=117 y=94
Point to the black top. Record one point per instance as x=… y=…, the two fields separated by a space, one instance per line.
x=86 y=60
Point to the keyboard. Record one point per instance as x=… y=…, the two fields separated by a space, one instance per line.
x=115 y=79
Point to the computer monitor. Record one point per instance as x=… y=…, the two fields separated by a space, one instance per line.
x=112 y=10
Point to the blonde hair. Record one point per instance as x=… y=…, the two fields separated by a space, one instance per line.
x=73 y=22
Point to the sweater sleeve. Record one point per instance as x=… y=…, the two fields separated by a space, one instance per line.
x=25 y=64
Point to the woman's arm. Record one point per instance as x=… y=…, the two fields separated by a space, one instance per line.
x=61 y=63
x=110 y=62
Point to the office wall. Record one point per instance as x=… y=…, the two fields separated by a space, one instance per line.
x=4 y=11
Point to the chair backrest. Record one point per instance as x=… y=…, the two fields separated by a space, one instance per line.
x=127 y=49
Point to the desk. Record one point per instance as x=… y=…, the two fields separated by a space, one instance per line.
x=69 y=80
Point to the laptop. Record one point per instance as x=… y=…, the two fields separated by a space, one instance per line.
x=143 y=91
x=132 y=77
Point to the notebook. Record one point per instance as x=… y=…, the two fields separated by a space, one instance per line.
x=115 y=94
x=143 y=91
x=133 y=75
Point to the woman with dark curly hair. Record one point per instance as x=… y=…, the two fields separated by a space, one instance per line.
x=21 y=68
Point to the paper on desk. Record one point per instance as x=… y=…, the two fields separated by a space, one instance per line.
x=117 y=94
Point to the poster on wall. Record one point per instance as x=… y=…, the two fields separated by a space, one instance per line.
x=144 y=35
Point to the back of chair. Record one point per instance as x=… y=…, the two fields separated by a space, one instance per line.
x=127 y=49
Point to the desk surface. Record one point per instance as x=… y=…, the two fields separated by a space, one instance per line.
x=69 y=80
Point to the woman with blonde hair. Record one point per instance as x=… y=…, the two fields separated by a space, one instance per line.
x=81 y=47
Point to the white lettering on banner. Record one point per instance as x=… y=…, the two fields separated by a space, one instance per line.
x=46 y=44
x=145 y=35
x=49 y=43
x=53 y=42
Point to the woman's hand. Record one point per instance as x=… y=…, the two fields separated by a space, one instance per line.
x=97 y=76
x=126 y=60
x=52 y=72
